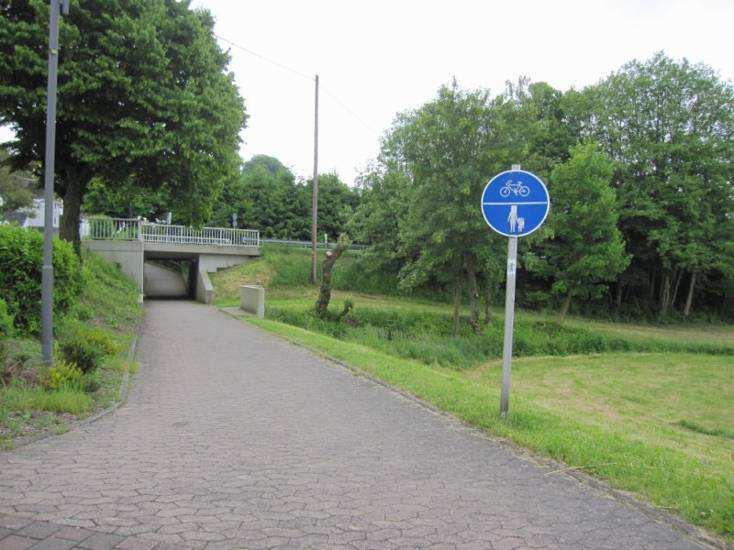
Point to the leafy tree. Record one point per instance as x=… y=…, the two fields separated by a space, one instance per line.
x=586 y=247
x=145 y=99
x=444 y=149
x=266 y=197
x=16 y=188
x=376 y=222
x=126 y=200
x=337 y=204
x=670 y=127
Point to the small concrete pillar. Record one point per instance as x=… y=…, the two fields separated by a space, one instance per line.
x=252 y=299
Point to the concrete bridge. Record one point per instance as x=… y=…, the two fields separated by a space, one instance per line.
x=145 y=252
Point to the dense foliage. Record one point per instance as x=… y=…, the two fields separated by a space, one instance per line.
x=16 y=188
x=639 y=168
x=21 y=259
x=267 y=196
x=145 y=100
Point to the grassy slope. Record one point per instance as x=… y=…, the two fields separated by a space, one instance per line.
x=656 y=423
x=108 y=301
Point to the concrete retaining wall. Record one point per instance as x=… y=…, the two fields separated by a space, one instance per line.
x=204 y=287
x=127 y=254
x=252 y=299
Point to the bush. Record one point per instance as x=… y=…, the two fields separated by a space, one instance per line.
x=6 y=321
x=63 y=375
x=86 y=347
x=21 y=258
x=6 y=330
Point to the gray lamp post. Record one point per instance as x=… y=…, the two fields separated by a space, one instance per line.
x=47 y=275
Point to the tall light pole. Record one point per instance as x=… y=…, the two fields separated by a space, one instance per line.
x=315 y=187
x=47 y=275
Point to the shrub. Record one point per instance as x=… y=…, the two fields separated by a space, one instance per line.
x=6 y=321
x=21 y=258
x=85 y=346
x=63 y=375
x=6 y=331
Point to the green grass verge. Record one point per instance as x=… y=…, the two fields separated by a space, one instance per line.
x=109 y=305
x=281 y=267
x=418 y=329
x=64 y=400
x=651 y=457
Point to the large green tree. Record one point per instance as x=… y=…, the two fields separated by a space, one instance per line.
x=145 y=100
x=670 y=127
x=585 y=249
x=444 y=149
x=16 y=188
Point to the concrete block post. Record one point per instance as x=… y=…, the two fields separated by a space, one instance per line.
x=252 y=299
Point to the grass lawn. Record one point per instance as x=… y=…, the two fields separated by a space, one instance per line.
x=649 y=409
x=28 y=408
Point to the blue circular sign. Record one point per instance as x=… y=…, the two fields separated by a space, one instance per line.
x=515 y=203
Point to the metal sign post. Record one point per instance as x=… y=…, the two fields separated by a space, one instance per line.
x=509 y=324
x=514 y=203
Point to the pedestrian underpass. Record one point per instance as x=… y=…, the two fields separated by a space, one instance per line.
x=169 y=279
x=170 y=261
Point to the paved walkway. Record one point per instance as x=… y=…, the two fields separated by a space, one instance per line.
x=232 y=438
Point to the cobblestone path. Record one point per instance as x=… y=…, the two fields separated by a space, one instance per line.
x=232 y=438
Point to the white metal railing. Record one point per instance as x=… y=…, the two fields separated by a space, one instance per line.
x=111 y=229
x=132 y=229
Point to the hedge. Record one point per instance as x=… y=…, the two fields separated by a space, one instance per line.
x=21 y=261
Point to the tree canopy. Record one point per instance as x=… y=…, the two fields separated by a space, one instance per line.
x=640 y=173
x=145 y=100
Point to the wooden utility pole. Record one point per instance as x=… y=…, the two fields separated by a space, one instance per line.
x=315 y=188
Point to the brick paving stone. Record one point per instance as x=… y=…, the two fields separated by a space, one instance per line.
x=133 y=543
x=101 y=541
x=73 y=533
x=232 y=438
x=16 y=542
x=39 y=530
x=54 y=543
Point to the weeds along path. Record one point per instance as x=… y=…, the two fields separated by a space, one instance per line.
x=234 y=438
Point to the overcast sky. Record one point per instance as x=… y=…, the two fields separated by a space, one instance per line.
x=384 y=56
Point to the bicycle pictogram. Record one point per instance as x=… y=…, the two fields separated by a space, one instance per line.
x=516 y=188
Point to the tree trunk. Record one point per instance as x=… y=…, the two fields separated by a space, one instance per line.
x=652 y=286
x=677 y=278
x=322 y=304
x=689 y=298
x=470 y=264
x=665 y=295
x=565 y=306
x=618 y=296
x=457 y=307
x=69 y=224
x=487 y=302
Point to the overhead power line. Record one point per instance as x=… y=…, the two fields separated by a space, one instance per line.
x=349 y=111
x=265 y=58
x=301 y=74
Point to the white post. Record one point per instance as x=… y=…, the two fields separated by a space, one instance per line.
x=509 y=320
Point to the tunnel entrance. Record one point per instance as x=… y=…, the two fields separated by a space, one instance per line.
x=170 y=278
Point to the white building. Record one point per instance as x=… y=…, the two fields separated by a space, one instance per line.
x=35 y=214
